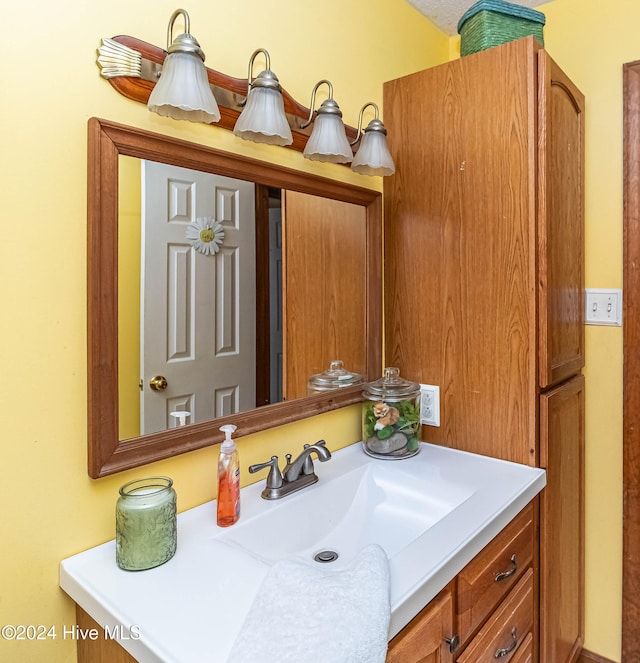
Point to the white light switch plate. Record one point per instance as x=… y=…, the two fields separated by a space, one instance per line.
x=603 y=307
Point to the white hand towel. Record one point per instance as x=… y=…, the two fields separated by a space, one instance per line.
x=305 y=613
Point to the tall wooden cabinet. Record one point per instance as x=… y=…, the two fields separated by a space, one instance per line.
x=484 y=283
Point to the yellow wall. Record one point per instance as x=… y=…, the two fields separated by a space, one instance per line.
x=51 y=509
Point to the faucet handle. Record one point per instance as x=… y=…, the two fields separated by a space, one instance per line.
x=287 y=464
x=307 y=467
x=274 y=478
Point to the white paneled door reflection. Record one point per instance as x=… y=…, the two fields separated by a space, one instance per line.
x=197 y=310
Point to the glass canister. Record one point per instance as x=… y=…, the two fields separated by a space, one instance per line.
x=335 y=377
x=391 y=417
x=146 y=523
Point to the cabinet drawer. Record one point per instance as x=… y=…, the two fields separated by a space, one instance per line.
x=524 y=653
x=493 y=572
x=506 y=629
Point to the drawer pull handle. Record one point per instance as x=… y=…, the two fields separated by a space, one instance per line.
x=453 y=643
x=505 y=652
x=503 y=575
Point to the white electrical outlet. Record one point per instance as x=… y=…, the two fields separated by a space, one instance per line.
x=603 y=307
x=429 y=405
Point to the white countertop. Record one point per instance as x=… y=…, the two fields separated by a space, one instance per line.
x=192 y=607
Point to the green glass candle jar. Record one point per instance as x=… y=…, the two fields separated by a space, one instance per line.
x=391 y=417
x=146 y=524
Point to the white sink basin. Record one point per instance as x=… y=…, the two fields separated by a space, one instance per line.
x=390 y=503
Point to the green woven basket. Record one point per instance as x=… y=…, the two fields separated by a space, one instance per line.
x=490 y=23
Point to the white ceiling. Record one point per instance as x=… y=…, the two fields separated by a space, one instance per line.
x=445 y=14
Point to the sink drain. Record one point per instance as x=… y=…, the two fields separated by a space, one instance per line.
x=325 y=556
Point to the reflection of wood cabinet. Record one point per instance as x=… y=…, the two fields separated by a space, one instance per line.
x=486 y=610
x=484 y=282
x=326 y=243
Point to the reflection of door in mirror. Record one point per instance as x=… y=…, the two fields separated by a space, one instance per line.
x=194 y=319
x=197 y=297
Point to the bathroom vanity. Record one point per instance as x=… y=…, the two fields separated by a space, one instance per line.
x=485 y=613
x=449 y=522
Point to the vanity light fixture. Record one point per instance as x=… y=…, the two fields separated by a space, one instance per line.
x=373 y=156
x=328 y=140
x=182 y=91
x=175 y=83
x=263 y=119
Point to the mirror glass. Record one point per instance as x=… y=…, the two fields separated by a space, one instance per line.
x=322 y=304
x=199 y=335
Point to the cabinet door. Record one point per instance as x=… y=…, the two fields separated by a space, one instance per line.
x=424 y=639
x=100 y=650
x=562 y=522
x=560 y=224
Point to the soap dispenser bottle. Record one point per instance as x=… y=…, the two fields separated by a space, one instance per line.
x=228 y=480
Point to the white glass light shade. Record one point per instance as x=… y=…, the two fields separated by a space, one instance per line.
x=328 y=140
x=182 y=91
x=373 y=156
x=263 y=119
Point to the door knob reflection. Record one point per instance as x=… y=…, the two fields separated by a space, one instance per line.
x=158 y=383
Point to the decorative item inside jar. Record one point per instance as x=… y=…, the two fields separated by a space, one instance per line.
x=391 y=417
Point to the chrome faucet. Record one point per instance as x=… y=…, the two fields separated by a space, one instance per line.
x=296 y=475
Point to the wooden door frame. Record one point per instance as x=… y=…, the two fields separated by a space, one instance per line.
x=631 y=366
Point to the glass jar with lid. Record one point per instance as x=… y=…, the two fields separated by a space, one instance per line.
x=391 y=417
x=335 y=377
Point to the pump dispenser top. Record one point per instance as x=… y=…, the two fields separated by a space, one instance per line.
x=229 y=444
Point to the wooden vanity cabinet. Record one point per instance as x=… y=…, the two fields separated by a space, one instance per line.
x=484 y=283
x=488 y=609
x=425 y=638
x=98 y=649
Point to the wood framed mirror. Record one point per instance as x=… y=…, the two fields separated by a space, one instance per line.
x=107 y=142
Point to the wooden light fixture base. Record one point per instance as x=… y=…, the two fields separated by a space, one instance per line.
x=115 y=58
